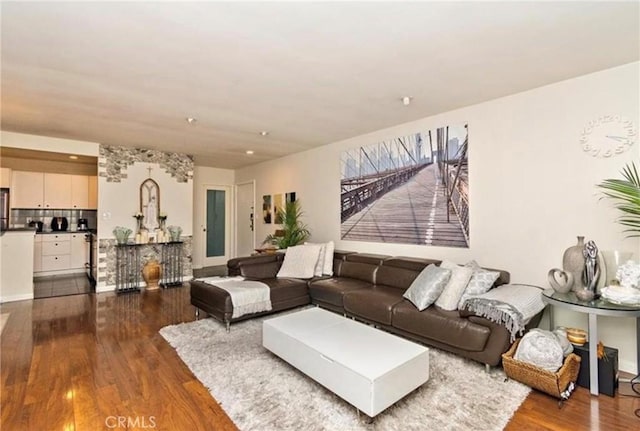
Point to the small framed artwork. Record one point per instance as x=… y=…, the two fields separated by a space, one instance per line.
x=266 y=209
x=290 y=197
x=278 y=205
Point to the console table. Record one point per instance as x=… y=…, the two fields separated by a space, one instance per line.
x=129 y=265
x=594 y=308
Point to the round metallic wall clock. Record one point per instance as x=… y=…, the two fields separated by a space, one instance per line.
x=608 y=136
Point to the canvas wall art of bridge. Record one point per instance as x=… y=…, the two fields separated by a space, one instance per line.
x=412 y=189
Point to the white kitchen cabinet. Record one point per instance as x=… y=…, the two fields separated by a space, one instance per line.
x=54 y=191
x=79 y=191
x=57 y=190
x=61 y=253
x=93 y=193
x=27 y=189
x=56 y=252
x=37 y=254
x=5 y=177
x=56 y=248
x=78 y=251
x=55 y=263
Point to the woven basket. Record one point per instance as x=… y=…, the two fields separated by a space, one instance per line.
x=554 y=384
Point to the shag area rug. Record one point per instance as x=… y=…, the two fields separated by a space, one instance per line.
x=259 y=391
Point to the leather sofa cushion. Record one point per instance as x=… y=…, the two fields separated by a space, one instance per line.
x=213 y=296
x=374 y=304
x=370 y=258
x=358 y=271
x=258 y=271
x=233 y=265
x=331 y=290
x=280 y=290
x=283 y=289
x=262 y=258
x=412 y=263
x=443 y=326
x=395 y=277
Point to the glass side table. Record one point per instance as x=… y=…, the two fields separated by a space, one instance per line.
x=594 y=308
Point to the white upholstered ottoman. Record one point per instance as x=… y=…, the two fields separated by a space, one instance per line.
x=366 y=367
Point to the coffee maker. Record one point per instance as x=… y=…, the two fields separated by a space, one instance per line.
x=82 y=224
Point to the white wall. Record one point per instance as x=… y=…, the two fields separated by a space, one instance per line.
x=119 y=201
x=532 y=188
x=204 y=176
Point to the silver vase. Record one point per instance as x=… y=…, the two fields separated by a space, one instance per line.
x=573 y=262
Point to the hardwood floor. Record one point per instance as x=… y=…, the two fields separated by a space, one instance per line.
x=97 y=362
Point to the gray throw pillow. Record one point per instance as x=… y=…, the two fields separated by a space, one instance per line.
x=427 y=286
x=481 y=282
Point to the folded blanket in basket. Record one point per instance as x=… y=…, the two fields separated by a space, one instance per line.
x=510 y=304
x=246 y=296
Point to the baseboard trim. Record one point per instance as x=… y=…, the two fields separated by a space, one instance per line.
x=13 y=298
x=143 y=285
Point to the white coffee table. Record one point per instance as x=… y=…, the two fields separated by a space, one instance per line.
x=368 y=368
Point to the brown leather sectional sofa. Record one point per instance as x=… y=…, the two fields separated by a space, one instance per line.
x=368 y=287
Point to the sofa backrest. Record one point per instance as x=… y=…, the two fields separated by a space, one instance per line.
x=400 y=272
x=361 y=266
x=338 y=258
x=233 y=265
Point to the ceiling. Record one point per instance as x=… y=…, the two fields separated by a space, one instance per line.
x=124 y=73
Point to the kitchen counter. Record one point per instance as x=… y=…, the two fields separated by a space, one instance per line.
x=19 y=229
x=16 y=264
x=62 y=232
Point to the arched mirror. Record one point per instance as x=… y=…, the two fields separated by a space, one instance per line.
x=150 y=203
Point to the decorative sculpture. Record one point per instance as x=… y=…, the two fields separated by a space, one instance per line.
x=591 y=266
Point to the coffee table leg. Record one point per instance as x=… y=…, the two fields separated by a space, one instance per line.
x=593 y=354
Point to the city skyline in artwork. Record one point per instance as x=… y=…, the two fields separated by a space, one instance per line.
x=412 y=189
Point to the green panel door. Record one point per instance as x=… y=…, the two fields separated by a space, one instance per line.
x=216 y=223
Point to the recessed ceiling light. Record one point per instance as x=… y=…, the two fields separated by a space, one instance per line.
x=73 y=157
x=406 y=100
x=191 y=120
x=249 y=152
x=264 y=133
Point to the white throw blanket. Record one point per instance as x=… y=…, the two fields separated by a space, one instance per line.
x=510 y=304
x=246 y=296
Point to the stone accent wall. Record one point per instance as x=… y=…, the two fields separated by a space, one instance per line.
x=114 y=161
x=107 y=251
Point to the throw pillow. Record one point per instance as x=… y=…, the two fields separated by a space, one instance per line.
x=299 y=261
x=427 y=286
x=460 y=276
x=328 y=258
x=320 y=263
x=325 y=261
x=481 y=282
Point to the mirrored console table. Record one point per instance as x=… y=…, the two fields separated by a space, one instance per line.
x=128 y=270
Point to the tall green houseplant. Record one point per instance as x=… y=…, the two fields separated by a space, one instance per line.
x=626 y=193
x=293 y=231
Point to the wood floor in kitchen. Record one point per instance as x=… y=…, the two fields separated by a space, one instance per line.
x=73 y=363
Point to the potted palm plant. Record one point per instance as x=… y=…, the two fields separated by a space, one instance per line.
x=626 y=193
x=293 y=231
